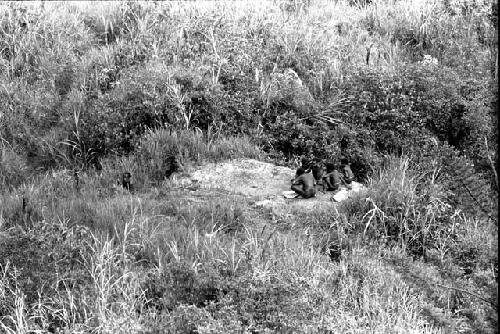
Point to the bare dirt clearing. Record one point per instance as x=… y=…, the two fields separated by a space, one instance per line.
x=260 y=181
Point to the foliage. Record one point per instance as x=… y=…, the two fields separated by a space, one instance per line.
x=403 y=89
x=158 y=150
x=194 y=76
x=53 y=264
x=13 y=167
x=467 y=188
x=416 y=207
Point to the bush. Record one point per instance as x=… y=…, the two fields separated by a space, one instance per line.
x=158 y=149
x=467 y=189
x=415 y=102
x=401 y=206
x=45 y=258
x=13 y=168
x=390 y=111
x=146 y=97
x=295 y=135
x=235 y=108
x=179 y=284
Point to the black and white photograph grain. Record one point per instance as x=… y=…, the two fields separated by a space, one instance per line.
x=248 y=167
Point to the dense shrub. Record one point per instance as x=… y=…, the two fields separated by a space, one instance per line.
x=384 y=113
x=179 y=284
x=211 y=74
x=13 y=168
x=402 y=206
x=43 y=260
x=146 y=97
x=235 y=108
x=468 y=189
x=152 y=82
x=422 y=204
x=395 y=110
x=296 y=135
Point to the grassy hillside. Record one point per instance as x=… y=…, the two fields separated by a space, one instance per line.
x=404 y=89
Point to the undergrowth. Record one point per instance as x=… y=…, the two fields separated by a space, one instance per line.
x=404 y=90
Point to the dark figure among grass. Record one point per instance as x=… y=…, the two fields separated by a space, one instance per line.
x=332 y=179
x=126 y=181
x=318 y=171
x=304 y=184
x=348 y=175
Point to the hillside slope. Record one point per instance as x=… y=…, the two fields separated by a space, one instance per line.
x=95 y=92
x=218 y=249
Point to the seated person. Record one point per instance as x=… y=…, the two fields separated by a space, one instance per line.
x=318 y=171
x=348 y=175
x=304 y=184
x=332 y=179
x=305 y=164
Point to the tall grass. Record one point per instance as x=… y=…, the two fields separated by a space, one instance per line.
x=213 y=268
x=13 y=167
x=195 y=147
x=205 y=262
x=85 y=49
x=402 y=206
x=157 y=148
x=96 y=258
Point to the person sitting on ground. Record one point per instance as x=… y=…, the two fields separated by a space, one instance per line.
x=332 y=179
x=305 y=164
x=304 y=184
x=318 y=171
x=348 y=175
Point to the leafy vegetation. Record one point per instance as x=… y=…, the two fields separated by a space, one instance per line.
x=406 y=90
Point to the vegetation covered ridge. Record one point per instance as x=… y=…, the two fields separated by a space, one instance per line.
x=91 y=91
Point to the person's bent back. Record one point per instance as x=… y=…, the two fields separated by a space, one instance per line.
x=304 y=184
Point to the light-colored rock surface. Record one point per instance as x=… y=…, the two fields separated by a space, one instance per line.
x=249 y=177
x=288 y=87
x=261 y=181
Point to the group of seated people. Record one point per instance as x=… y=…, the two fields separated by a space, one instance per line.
x=327 y=177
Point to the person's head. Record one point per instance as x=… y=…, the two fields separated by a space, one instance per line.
x=300 y=171
x=305 y=163
x=344 y=161
x=126 y=176
x=330 y=166
x=174 y=164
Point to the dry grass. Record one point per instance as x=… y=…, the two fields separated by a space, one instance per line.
x=171 y=258
x=218 y=263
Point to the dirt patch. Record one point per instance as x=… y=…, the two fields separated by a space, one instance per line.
x=260 y=181
x=248 y=177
